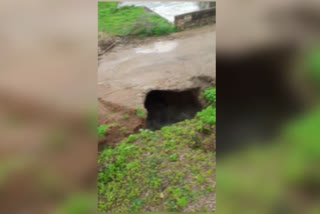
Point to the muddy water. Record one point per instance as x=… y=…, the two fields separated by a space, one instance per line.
x=158 y=47
x=167 y=9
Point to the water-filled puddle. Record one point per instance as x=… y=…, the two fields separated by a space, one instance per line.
x=157 y=47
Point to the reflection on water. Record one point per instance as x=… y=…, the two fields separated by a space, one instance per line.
x=157 y=47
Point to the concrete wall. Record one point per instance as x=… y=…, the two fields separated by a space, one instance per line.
x=194 y=19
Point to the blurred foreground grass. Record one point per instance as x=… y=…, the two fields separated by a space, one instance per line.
x=282 y=176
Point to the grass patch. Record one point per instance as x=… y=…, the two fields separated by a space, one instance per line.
x=141 y=113
x=312 y=63
x=77 y=204
x=173 y=157
x=291 y=163
x=161 y=169
x=102 y=130
x=130 y=20
x=207 y=116
x=210 y=95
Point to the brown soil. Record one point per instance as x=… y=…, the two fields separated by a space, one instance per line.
x=105 y=43
x=211 y=145
x=125 y=119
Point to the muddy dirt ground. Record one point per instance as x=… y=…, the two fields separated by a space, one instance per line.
x=176 y=62
x=134 y=67
x=125 y=123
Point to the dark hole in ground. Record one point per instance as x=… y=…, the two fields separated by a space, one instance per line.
x=169 y=107
x=255 y=99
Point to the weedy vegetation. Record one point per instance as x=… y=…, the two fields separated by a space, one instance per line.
x=131 y=20
x=141 y=113
x=166 y=170
x=210 y=95
x=103 y=129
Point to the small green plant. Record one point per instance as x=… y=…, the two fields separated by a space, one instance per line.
x=182 y=202
x=173 y=157
x=102 y=130
x=172 y=206
x=136 y=205
x=210 y=95
x=210 y=189
x=140 y=113
x=132 y=138
x=126 y=117
x=177 y=193
x=200 y=179
x=207 y=116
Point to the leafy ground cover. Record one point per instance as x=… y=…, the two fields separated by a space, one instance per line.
x=130 y=20
x=172 y=169
x=141 y=113
x=102 y=130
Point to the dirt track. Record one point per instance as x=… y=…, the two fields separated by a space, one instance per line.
x=176 y=62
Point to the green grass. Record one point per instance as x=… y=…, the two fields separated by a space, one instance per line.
x=159 y=169
x=312 y=63
x=130 y=20
x=210 y=95
x=80 y=203
x=207 y=116
x=141 y=113
x=167 y=170
x=275 y=172
x=103 y=129
x=173 y=157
